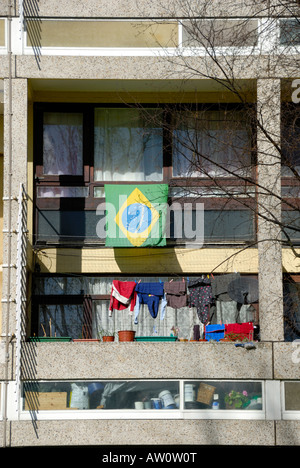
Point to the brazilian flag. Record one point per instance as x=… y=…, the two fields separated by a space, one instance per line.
x=136 y=215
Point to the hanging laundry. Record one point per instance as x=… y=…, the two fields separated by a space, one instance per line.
x=150 y=294
x=244 y=290
x=200 y=296
x=122 y=296
x=163 y=306
x=219 y=285
x=176 y=294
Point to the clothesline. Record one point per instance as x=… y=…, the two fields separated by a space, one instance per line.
x=201 y=293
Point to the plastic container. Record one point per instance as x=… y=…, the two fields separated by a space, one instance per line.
x=95 y=387
x=215 y=403
x=156 y=403
x=167 y=399
x=214 y=332
x=189 y=392
x=50 y=339
x=139 y=405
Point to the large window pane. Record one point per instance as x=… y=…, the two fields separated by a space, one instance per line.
x=291 y=225
x=130 y=395
x=211 y=143
x=219 y=225
x=223 y=395
x=128 y=145
x=61 y=320
x=71 y=226
x=62 y=143
x=292 y=396
x=291 y=301
x=62 y=192
x=219 y=33
x=290 y=32
x=290 y=140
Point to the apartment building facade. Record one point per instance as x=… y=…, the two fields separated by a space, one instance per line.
x=94 y=101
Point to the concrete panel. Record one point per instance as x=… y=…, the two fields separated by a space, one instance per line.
x=135 y=67
x=287 y=360
x=152 y=433
x=288 y=433
x=146 y=361
x=124 y=8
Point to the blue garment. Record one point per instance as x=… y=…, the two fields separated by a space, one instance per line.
x=150 y=294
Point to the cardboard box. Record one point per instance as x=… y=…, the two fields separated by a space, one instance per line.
x=45 y=401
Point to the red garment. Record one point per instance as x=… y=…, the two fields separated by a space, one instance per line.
x=244 y=329
x=123 y=295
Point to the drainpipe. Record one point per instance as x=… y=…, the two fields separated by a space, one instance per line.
x=9 y=149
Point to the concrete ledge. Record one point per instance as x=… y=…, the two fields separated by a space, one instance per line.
x=146 y=361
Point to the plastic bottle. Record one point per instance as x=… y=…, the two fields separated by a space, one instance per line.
x=215 y=404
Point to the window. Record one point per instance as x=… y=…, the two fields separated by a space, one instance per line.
x=151 y=398
x=291 y=301
x=220 y=33
x=290 y=133
x=80 y=147
x=211 y=143
x=290 y=32
x=128 y=146
x=292 y=396
x=62 y=144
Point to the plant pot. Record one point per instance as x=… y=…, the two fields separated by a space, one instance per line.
x=155 y=338
x=108 y=338
x=40 y=339
x=126 y=335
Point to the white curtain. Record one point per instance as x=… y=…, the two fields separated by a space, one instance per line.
x=127 y=146
x=184 y=318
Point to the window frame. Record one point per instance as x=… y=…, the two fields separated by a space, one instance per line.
x=180 y=413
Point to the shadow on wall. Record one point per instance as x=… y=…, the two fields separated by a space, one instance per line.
x=33 y=27
x=29 y=353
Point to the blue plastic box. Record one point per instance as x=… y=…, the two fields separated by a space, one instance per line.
x=214 y=332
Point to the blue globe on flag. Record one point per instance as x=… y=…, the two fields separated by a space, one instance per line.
x=136 y=218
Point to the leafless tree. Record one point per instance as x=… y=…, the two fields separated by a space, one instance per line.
x=240 y=150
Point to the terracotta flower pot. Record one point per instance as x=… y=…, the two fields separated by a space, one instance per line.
x=126 y=335
x=108 y=338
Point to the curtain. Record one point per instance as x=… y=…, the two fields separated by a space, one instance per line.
x=184 y=318
x=62 y=143
x=128 y=146
x=224 y=139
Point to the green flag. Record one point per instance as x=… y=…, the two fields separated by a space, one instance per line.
x=136 y=215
